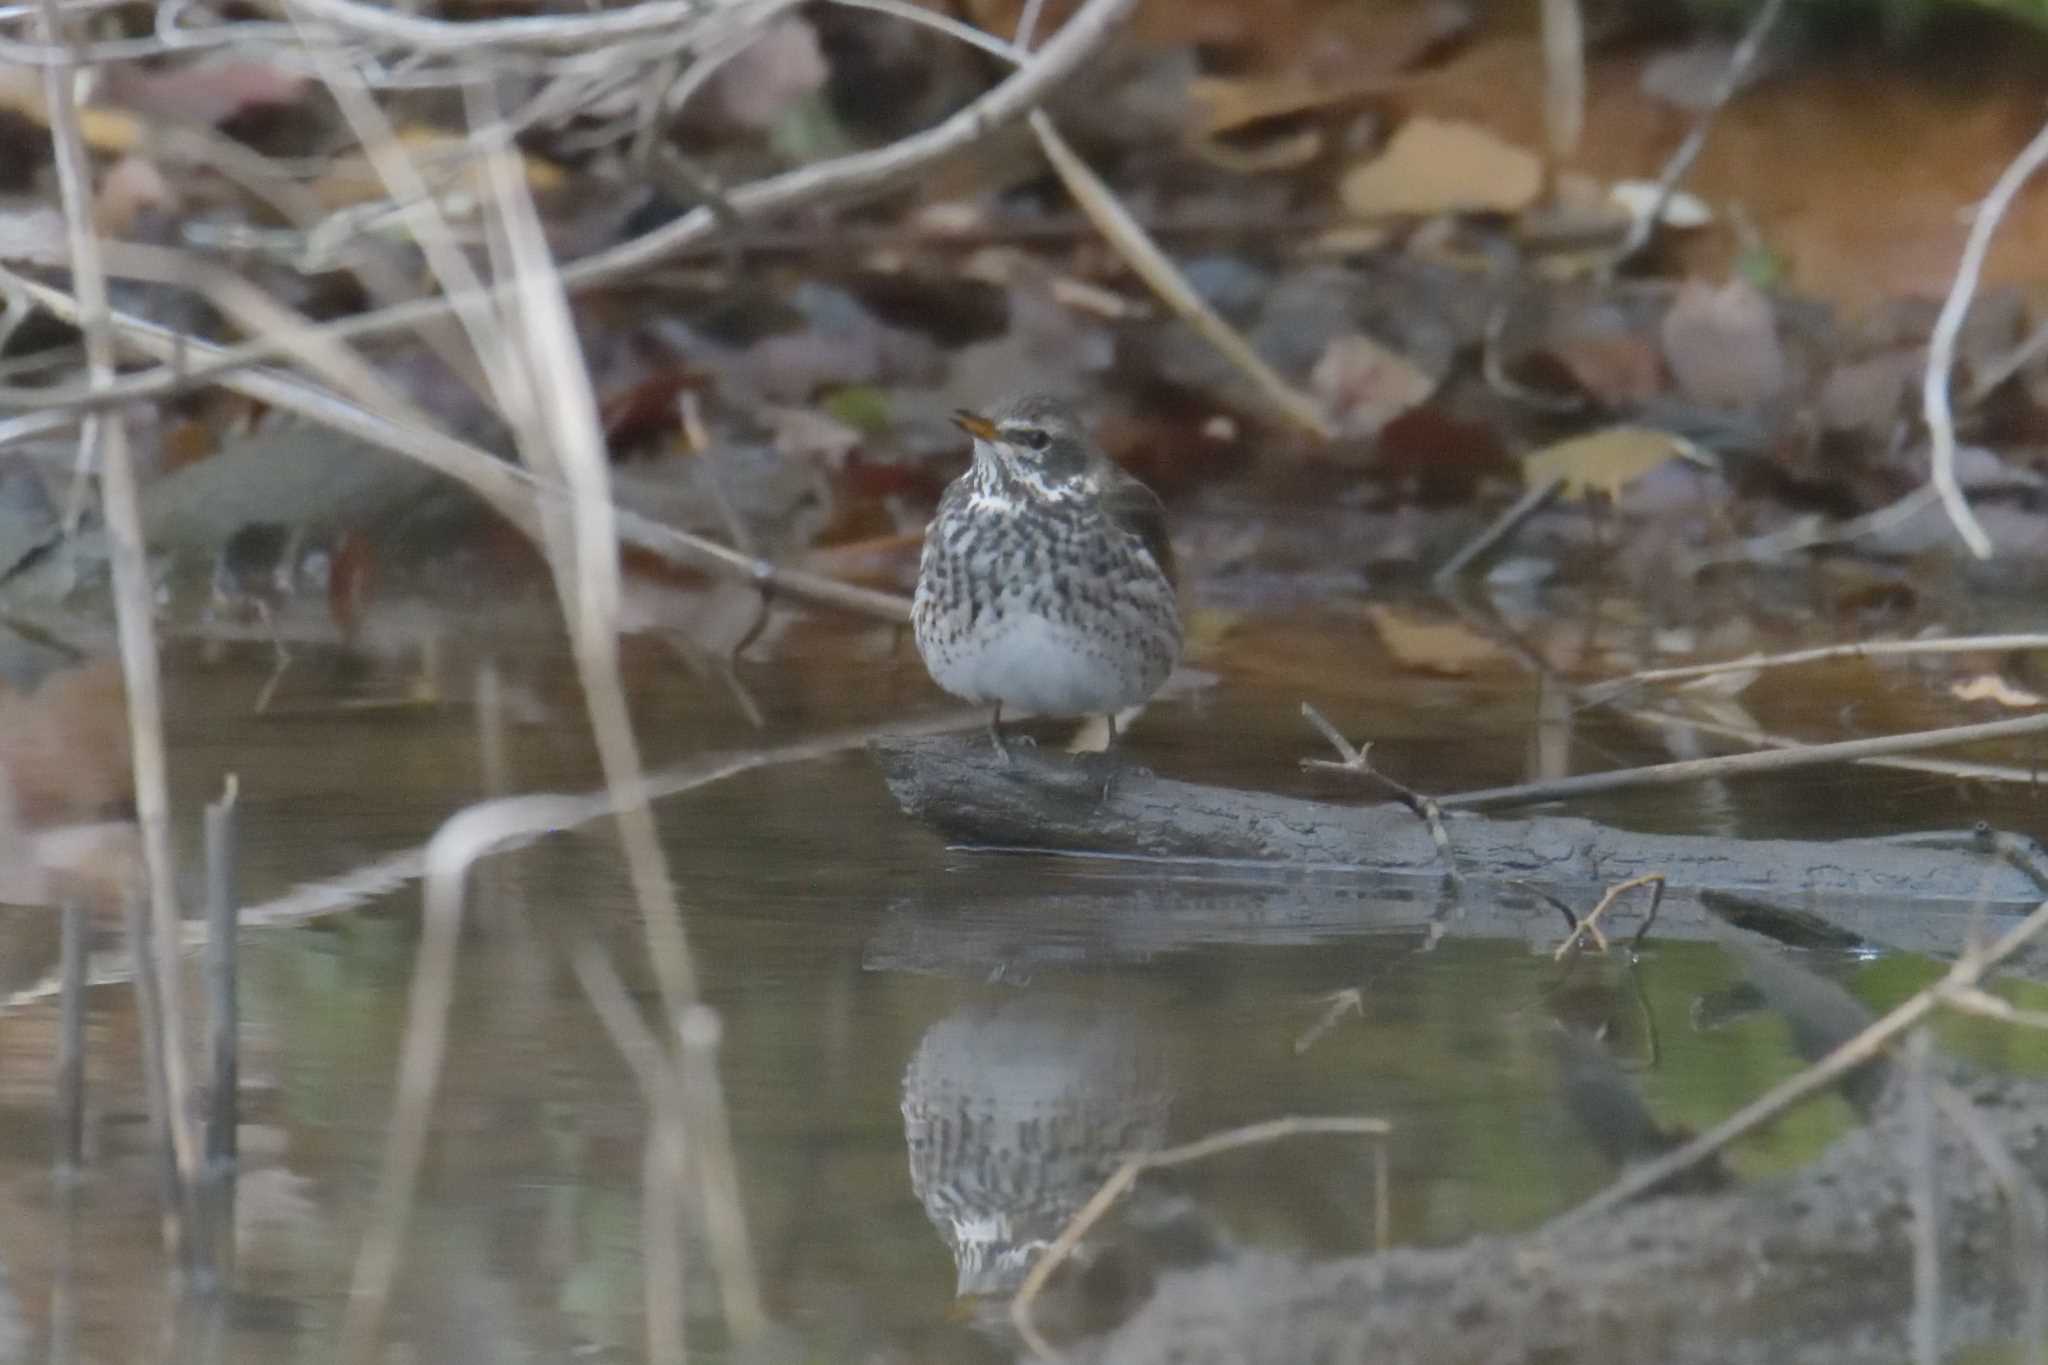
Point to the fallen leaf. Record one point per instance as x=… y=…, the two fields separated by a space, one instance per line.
x=33 y=234
x=1619 y=369
x=1364 y=385
x=208 y=91
x=1992 y=687
x=1606 y=461
x=1446 y=647
x=1446 y=456
x=779 y=67
x=1226 y=103
x=351 y=179
x=134 y=185
x=1869 y=396
x=1722 y=344
x=1681 y=210
x=1436 y=166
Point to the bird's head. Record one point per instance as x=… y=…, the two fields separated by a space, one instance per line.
x=1036 y=441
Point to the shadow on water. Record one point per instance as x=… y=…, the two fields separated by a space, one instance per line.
x=932 y=1057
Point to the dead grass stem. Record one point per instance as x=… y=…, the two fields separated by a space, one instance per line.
x=134 y=598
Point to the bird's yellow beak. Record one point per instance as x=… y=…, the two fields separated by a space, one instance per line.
x=975 y=425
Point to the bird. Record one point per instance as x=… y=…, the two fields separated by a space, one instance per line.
x=1047 y=581
x=1015 y=1109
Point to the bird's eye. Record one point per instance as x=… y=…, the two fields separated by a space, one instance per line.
x=1036 y=438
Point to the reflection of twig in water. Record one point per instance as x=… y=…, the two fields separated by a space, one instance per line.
x=1964 y=974
x=1503 y=526
x=1127 y=1174
x=1590 y=924
x=1337 y=1004
x=1357 y=762
x=1923 y=1198
x=664 y=1174
x=2029 y=1210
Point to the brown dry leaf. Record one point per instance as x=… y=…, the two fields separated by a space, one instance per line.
x=1447 y=647
x=1438 y=166
x=1722 y=344
x=1620 y=369
x=207 y=92
x=1224 y=103
x=1992 y=687
x=132 y=186
x=1286 y=151
x=1363 y=385
x=1606 y=461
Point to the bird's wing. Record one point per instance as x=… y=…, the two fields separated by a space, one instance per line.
x=1137 y=509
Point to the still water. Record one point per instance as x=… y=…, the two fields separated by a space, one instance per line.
x=930 y=1055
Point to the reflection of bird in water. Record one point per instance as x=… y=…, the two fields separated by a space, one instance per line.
x=1014 y=1113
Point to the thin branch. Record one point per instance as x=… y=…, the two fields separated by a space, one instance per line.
x=1127 y=1174
x=1357 y=761
x=1863 y=649
x=512 y=492
x=1143 y=255
x=1589 y=924
x=1736 y=765
x=547 y=33
x=1739 y=62
x=1958 y=768
x=1941 y=346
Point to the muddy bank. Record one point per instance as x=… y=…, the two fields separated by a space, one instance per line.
x=1814 y=1267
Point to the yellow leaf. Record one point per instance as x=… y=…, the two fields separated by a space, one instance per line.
x=351 y=179
x=1431 y=646
x=1991 y=687
x=1606 y=461
x=1437 y=166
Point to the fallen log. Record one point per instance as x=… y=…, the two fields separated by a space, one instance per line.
x=1917 y=896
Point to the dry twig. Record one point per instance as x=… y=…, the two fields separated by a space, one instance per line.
x=1357 y=761
x=1739 y=62
x=1143 y=255
x=1589 y=923
x=1941 y=346
x=1735 y=765
x=1127 y=1174
x=1862 y=649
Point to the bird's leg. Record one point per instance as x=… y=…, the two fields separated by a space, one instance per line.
x=283 y=656
x=1111 y=760
x=995 y=733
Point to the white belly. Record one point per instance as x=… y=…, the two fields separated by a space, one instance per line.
x=1029 y=663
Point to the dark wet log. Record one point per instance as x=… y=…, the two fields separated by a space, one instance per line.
x=1845 y=892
